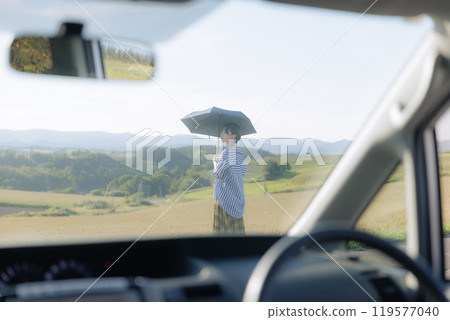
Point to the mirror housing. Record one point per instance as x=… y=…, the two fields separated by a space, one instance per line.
x=69 y=54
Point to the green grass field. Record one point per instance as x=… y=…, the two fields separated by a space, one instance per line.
x=115 y=69
x=303 y=178
x=99 y=217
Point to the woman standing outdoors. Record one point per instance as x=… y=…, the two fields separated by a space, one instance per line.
x=229 y=170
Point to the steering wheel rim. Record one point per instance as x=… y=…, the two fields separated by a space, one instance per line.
x=274 y=258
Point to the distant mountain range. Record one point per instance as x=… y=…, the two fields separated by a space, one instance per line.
x=40 y=139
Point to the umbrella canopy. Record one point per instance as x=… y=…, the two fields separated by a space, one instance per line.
x=211 y=121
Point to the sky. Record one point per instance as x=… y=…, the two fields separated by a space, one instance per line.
x=296 y=72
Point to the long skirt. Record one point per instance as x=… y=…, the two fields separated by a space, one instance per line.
x=226 y=224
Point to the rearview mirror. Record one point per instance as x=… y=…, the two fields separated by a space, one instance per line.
x=69 y=54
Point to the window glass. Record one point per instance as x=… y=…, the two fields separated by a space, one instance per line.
x=443 y=144
x=84 y=160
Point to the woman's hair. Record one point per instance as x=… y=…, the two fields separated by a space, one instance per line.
x=232 y=128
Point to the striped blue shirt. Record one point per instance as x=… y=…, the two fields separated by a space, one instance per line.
x=229 y=184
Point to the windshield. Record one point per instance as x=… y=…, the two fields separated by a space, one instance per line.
x=84 y=160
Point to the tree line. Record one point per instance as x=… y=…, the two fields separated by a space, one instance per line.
x=31 y=54
x=84 y=172
x=111 y=52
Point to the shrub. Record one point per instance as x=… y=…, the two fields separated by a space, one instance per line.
x=51 y=212
x=97 y=192
x=70 y=190
x=131 y=200
x=274 y=170
x=94 y=204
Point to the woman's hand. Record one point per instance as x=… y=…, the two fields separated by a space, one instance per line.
x=215 y=159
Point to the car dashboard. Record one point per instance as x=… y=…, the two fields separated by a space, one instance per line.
x=187 y=270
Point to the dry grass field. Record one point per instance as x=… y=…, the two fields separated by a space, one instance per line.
x=385 y=216
x=262 y=216
x=47 y=198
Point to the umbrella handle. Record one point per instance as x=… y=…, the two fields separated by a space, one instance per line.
x=218 y=133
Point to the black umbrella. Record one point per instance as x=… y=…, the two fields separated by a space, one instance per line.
x=211 y=121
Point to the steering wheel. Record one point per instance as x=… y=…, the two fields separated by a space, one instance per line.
x=271 y=262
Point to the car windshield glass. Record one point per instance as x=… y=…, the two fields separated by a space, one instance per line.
x=286 y=87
